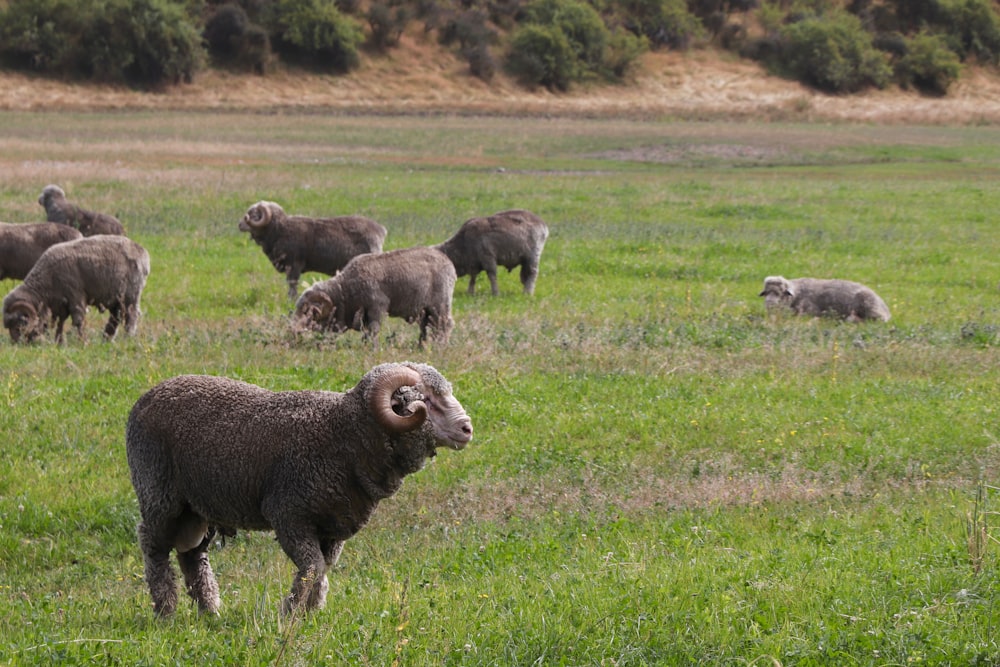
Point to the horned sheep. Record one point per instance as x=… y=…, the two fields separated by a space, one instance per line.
x=22 y=244
x=416 y=284
x=90 y=223
x=109 y=272
x=296 y=244
x=212 y=455
x=507 y=239
x=845 y=299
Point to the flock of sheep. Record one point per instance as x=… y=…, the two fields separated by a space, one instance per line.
x=309 y=465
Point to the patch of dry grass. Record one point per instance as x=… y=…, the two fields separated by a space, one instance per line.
x=418 y=77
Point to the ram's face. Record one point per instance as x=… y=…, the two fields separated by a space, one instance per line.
x=452 y=426
x=776 y=292
x=313 y=311
x=23 y=323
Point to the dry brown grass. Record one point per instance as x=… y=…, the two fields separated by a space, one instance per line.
x=419 y=78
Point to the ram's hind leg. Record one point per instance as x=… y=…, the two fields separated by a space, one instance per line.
x=529 y=274
x=159 y=574
x=114 y=318
x=198 y=576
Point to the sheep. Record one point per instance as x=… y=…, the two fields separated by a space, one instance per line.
x=22 y=244
x=104 y=271
x=813 y=296
x=90 y=223
x=416 y=284
x=508 y=239
x=296 y=244
x=212 y=455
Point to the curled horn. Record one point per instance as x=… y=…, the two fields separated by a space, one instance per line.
x=24 y=306
x=380 y=401
x=260 y=214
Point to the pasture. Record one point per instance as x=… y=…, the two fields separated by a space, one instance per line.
x=662 y=473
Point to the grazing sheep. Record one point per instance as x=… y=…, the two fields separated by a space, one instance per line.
x=22 y=245
x=296 y=244
x=211 y=454
x=59 y=209
x=104 y=271
x=813 y=296
x=507 y=239
x=415 y=284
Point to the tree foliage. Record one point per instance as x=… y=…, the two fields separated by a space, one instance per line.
x=840 y=46
x=833 y=53
x=565 y=41
x=144 y=43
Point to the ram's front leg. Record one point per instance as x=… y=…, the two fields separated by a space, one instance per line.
x=78 y=315
x=303 y=547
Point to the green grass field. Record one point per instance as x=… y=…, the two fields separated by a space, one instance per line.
x=662 y=472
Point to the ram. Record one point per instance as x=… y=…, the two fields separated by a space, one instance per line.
x=296 y=244
x=508 y=239
x=845 y=299
x=109 y=272
x=416 y=284
x=22 y=244
x=211 y=455
x=90 y=223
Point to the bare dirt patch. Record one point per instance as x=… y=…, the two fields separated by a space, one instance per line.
x=418 y=78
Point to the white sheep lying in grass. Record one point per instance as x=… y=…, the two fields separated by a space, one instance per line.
x=814 y=296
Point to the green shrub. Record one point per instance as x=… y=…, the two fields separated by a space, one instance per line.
x=387 y=23
x=833 y=53
x=42 y=35
x=579 y=22
x=624 y=50
x=469 y=28
x=145 y=43
x=563 y=41
x=482 y=64
x=316 y=33
x=233 y=41
x=928 y=65
x=665 y=23
x=973 y=29
x=542 y=56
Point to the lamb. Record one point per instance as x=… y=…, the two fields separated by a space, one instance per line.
x=296 y=244
x=90 y=223
x=508 y=239
x=212 y=455
x=104 y=271
x=22 y=245
x=813 y=296
x=416 y=284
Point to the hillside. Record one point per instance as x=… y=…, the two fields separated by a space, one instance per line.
x=418 y=77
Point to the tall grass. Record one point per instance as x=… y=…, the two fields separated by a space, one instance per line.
x=662 y=472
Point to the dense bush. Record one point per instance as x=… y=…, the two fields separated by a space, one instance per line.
x=564 y=41
x=833 y=53
x=32 y=38
x=144 y=43
x=973 y=29
x=543 y=56
x=316 y=33
x=928 y=65
x=665 y=23
x=233 y=41
x=387 y=23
